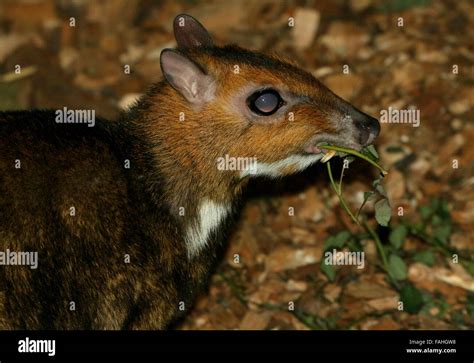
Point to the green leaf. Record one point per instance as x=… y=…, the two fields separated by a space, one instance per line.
x=336 y=241
x=397 y=236
x=418 y=226
x=443 y=306
x=397 y=268
x=367 y=195
x=412 y=299
x=457 y=318
x=426 y=257
x=383 y=212
x=442 y=233
x=330 y=243
x=328 y=270
x=436 y=220
x=355 y=246
x=470 y=304
x=469 y=266
x=377 y=184
x=370 y=152
x=425 y=211
x=342 y=237
x=435 y=203
x=428 y=303
x=443 y=210
x=394 y=149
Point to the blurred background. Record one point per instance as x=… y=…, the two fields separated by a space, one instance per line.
x=403 y=54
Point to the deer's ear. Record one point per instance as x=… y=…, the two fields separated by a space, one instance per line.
x=190 y=33
x=187 y=78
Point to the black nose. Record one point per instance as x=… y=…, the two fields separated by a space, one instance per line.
x=368 y=128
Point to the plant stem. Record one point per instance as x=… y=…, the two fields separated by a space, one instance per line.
x=360 y=208
x=382 y=254
x=340 y=177
x=338 y=191
x=355 y=153
x=337 y=188
x=378 y=243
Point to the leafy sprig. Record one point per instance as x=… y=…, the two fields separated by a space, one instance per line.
x=434 y=228
x=382 y=207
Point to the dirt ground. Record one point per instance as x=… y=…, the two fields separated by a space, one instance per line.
x=376 y=54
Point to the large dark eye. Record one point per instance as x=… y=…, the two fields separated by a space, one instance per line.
x=265 y=102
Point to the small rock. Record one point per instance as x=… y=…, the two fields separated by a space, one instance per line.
x=321 y=72
x=434 y=311
x=430 y=55
x=439 y=279
x=365 y=53
x=111 y=44
x=391 y=42
x=133 y=55
x=273 y=291
x=395 y=185
x=388 y=158
x=344 y=38
x=9 y=43
x=359 y=5
x=332 y=292
x=407 y=75
x=299 y=286
x=254 y=320
x=465 y=217
x=365 y=288
x=306 y=26
x=384 y=303
x=68 y=56
x=459 y=107
x=461 y=242
x=456 y=124
x=420 y=167
x=450 y=148
x=285 y=320
x=370 y=249
x=385 y=323
x=284 y=258
x=368 y=324
x=313 y=208
x=405 y=139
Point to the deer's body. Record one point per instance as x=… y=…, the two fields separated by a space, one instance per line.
x=127 y=216
x=82 y=258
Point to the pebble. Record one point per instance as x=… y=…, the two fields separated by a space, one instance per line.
x=459 y=107
x=405 y=139
x=456 y=124
x=306 y=26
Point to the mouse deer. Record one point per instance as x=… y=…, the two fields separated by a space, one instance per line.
x=125 y=217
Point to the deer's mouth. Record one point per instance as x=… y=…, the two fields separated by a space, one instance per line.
x=313 y=149
x=326 y=154
x=316 y=146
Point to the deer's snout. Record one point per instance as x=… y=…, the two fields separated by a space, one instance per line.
x=367 y=128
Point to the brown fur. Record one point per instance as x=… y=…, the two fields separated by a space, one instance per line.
x=135 y=211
